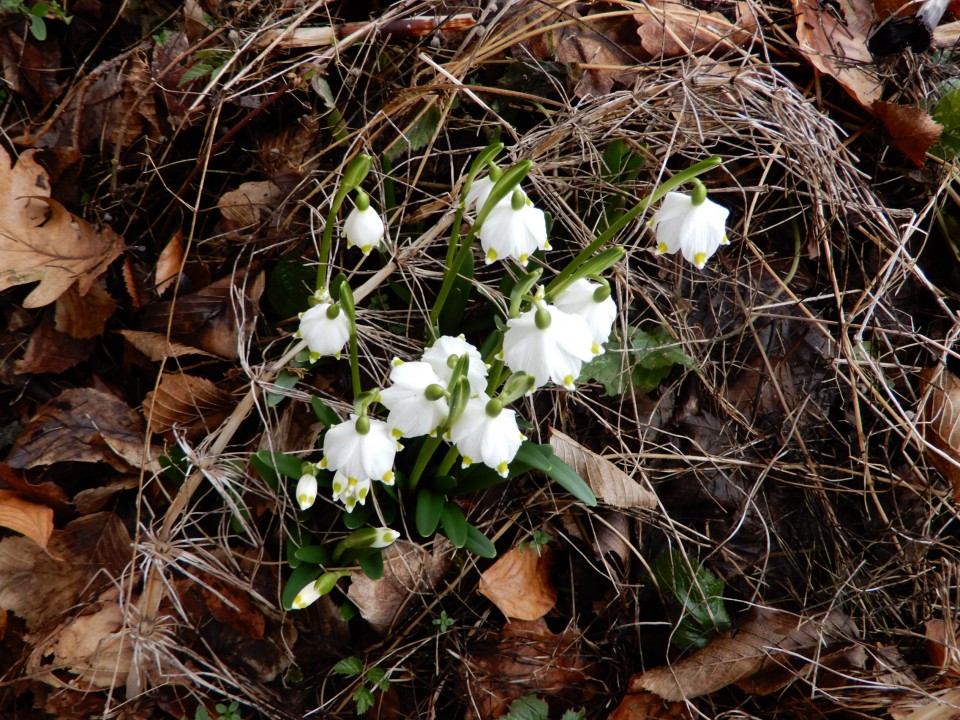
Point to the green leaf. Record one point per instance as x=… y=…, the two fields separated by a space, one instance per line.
x=541 y=457
x=351 y=666
x=324 y=413
x=451 y=314
x=358 y=518
x=479 y=544
x=528 y=707
x=298 y=580
x=574 y=715
x=269 y=464
x=947 y=113
x=289 y=287
x=377 y=677
x=363 y=697
x=695 y=597
x=372 y=565
x=286 y=380
x=455 y=524
x=201 y=714
x=429 y=507
x=195 y=72
x=419 y=134
x=38 y=27
x=313 y=554
x=644 y=360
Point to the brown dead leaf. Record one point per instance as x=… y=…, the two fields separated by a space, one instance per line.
x=943 y=645
x=766 y=639
x=169 y=264
x=938 y=706
x=41 y=241
x=81 y=425
x=249 y=204
x=835 y=43
x=519 y=583
x=290 y=152
x=911 y=129
x=527 y=658
x=51 y=351
x=27 y=518
x=941 y=423
x=608 y=482
x=408 y=569
x=84 y=316
x=38 y=585
x=156 y=346
x=650 y=706
x=187 y=402
x=670 y=29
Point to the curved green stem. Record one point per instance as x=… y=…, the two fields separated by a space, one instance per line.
x=448 y=460
x=427 y=450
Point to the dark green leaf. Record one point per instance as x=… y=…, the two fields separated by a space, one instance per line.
x=323 y=412
x=429 y=507
x=947 y=113
x=372 y=565
x=351 y=666
x=289 y=286
x=451 y=314
x=363 y=697
x=358 y=518
x=286 y=380
x=541 y=457
x=455 y=524
x=695 y=598
x=268 y=464
x=528 y=707
x=479 y=544
x=315 y=554
x=419 y=134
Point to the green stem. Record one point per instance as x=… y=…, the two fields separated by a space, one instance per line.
x=450 y=274
x=427 y=450
x=448 y=460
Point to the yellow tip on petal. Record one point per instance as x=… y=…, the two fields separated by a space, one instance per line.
x=568 y=382
x=323 y=462
x=502 y=469
x=388 y=477
x=725 y=240
x=661 y=248
x=700 y=259
x=396 y=433
x=491 y=255
x=467 y=462
x=523 y=259
x=595 y=349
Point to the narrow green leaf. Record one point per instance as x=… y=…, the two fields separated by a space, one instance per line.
x=315 y=554
x=372 y=565
x=479 y=544
x=429 y=507
x=286 y=380
x=323 y=412
x=541 y=457
x=455 y=524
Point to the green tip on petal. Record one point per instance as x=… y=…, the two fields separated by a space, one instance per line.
x=396 y=433
x=491 y=255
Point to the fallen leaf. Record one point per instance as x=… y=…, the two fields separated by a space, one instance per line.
x=649 y=706
x=833 y=37
x=41 y=241
x=27 y=518
x=766 y=639
x=290 y=151
x=524 y=658
x=51 y=351
x=249 y=204
x=941 y=423
x=169 y=264
x=911 y=129
x=608 y=482
x=81 y=425
x=156 y=346
x=938 y=706
x=408 y=569
x=187 y=402
x=670 y=29
x=942 y=645
x=84 y=316
x=79 y=561
x=519 y=583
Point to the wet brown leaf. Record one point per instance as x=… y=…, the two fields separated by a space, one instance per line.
x=670 y=29
x=608 y=482
x=766 y=639
x=41 y=241
x=84 y=316
x=519 y=584
x=408 y=569
x=51 y=351
x=169 y=264
x=834 y=39
x=81 y=425
x=911 y=129
x=156 y=346
x=27 y=518
x=941 y=423
x=187 y=402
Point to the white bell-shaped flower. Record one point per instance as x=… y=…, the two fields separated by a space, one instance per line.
x=696 y=230
x=443 y=355
x=414 y=410
x=307 y=491
x=516 y=230
x=548 y=344
x=479 y=192
x=481 y=437
x=362 y=453
x=579 y=298
x=307 y=596
x=363 y=227
x=350 y=490
x=325 y=328
x=384 y=537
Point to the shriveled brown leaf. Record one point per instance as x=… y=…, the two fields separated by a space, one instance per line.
x=169 y=263
x=941 y=422
x=81 y=425
x=51 y=351
x=408 y=569
x=943 y=645
x=156 y=346
x=290 y=152
x=766 y=639
x=835 y=43
x=519 y=583
x=27 y=518
x=84 y=316
x=41 y=241
x=187 y=402
x=911 y=129
x=38 y=585
x=526 y=657
x=671 y=29
x=650 y=706
x=249 y=204
x=608 y=482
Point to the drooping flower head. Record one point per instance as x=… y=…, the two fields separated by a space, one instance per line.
x=307 y=596
x=580 y=298
x=350 y=490
x=361 y=448
x=488 y=433
x=363 y=227
x=415 y=400
x=307 y=491
x=325 y=328
x=515 y=230
x=691 y=224
x=443 y=356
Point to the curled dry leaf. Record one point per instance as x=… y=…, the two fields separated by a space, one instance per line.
x=169 y=263
x=187 y=402
x=670 y=29
x=766 y=639
x=608 y=482
x=27 y=518
x=41 y=241
x=941 y=422
x=408 y=569
x=519 y=583
x=81 y=425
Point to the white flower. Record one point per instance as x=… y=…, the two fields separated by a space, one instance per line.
x=350 y=491
x=446 y=347
x=307 y=491
x=578 y=299
x=556 y=352
x=324 y=335
x=363 y=228
x=360 y=456
x=516 y=233
x=480 y=190
x=384 y=537
x=412 y=412
x=695 y=230
x=307 y=596
x=494 y=441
